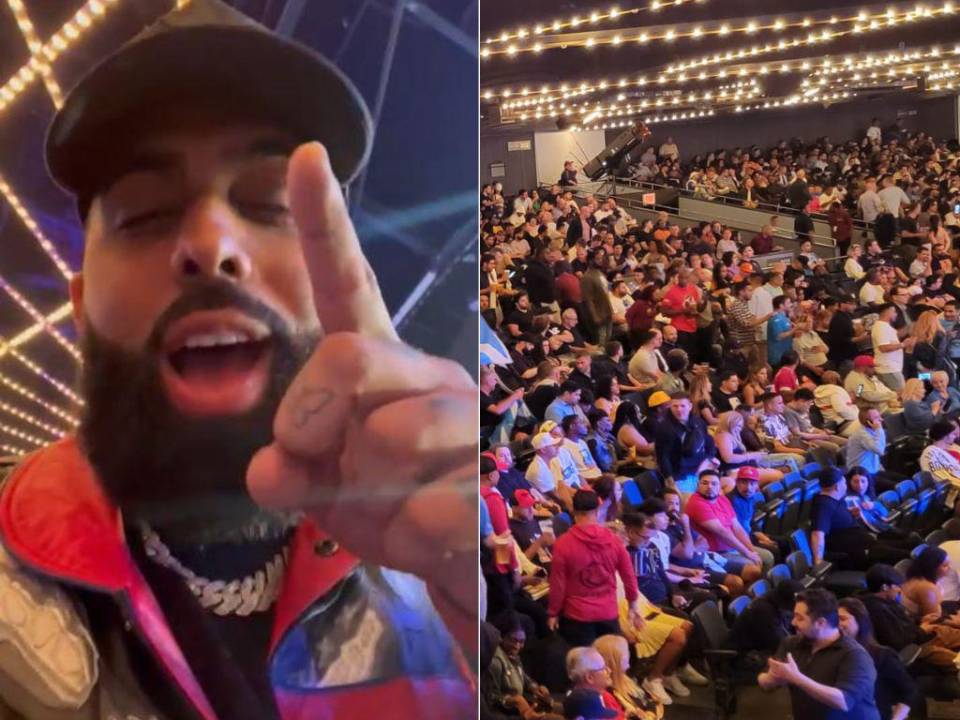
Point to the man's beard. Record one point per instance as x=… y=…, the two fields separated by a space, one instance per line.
x=183 y=474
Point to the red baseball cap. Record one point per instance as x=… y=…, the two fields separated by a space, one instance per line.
x=864 y=361
x=523 y=498
x=748 y=472
x=500 y=466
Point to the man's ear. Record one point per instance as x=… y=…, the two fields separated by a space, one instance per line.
x=76 y=299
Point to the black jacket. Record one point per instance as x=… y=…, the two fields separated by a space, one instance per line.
x=681 y=448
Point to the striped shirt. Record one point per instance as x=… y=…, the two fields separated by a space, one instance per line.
x=741 y=323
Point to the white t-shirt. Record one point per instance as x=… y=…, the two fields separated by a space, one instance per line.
x=661 y=541
x=761 y=303
x=617 y=305
x=871 y=294
x=804 y=344
x=580 y=452
x=874 y=132
x=893 y=197
x=565 y=468
x=884 y=334
x=541 y=476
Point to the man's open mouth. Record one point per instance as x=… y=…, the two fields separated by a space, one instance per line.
x=216 y=363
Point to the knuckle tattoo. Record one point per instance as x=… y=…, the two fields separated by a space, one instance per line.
x=308 y=404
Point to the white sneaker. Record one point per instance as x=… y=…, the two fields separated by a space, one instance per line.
x=655 y=690
x=672 y=684
x=688 y=673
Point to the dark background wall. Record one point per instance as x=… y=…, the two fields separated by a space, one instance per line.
x=842 y=122
x=520 y=165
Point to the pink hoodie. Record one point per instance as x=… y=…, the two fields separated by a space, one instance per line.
x=583 y=585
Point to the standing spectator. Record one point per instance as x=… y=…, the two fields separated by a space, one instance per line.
x=712 y=515
x=841 y=227
x=829 y=676
x=503 y=572
x=874 y=133
x=568 y=178
x=780 y=332
x=682 y=303
x=895 y=690
x=888 y=348
x=842 y=336
x=583 y=588
x=669 y=150
x=596 y=299
x=744 y=323
x=892 y=196
x=683 y=445
x=869 y=202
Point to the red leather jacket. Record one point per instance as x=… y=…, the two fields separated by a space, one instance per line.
x=65 y=557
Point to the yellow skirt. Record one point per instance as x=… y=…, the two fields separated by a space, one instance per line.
x=647 y=642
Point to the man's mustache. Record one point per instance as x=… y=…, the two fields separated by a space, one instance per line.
x=213 y=295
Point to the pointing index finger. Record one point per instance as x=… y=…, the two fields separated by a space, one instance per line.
x=345 y=290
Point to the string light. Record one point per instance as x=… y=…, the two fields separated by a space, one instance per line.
x=876 y=22
x=27 y=417
x=13 y=450
x=40 y=59
x=614 y=13
x=32 y=397
x=43 y=375
x=48 y=247
x=30 y=309
x=33 y=42
x=20 y=435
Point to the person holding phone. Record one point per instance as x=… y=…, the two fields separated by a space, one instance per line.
x=942 y=392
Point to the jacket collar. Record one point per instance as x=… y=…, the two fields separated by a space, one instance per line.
x=56 y=519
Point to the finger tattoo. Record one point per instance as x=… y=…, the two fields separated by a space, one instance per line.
x=309 y=404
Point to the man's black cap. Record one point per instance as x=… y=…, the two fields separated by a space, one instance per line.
x=210 y=56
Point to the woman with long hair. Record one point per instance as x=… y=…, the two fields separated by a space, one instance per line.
x=894 y=689
x=608 y=395
x=700 y=397
x=921 y=594
x=635 y=701
x=610 y=493
x=626 y=429
x=732 y=452
x=927 y=350
x=758 y=382
x=545 y=387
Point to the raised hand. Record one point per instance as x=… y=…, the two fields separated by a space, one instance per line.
x=375 y=440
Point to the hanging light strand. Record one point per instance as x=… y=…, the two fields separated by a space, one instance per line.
x=38 y=317
x=28 y=418
x=33 y=42
x=44 y=375
x=21 y=435
x=32 y=397
x=12 y=449
x=47 y=246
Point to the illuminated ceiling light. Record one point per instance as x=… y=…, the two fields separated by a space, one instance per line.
x=751 y=27
x=538 y=47
x=724 y=29
x=671 y=35
x=697 y=32
x=643 y=38
x=778 y=24
x=617 y=39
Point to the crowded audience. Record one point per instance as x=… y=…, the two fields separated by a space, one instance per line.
x=695 y=421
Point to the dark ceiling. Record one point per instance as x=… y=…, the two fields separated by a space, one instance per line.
x=417 y=209
x=576 y=64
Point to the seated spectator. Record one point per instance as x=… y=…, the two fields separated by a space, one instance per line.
x=865 y=387
x=566 y=403
x=921 y=592
x=506 y=685
x=684 y=554
x=583 y=590
x=733 y=454
x=866 y=447
x=745 y=497
x=582 y=377
x=775 y=427
x=712 y=516
x=894 y=689
x=526 y=530
x=546 y=475
x=861 y=502
x=635 y=701
x=627 y=430
x=917 y=412
x=700 y=395
x=835 y=405
x=648 y=364
x=766 y=621
x=566 y=337
x=835 y=533
x=544 y=388
x=608 y=395
x=950 y=583
x=672 y=381
x=591 y=678
x=495 y=401
x=683 y=445
x=511 y=480
x=797 y=415
x=939 y=461
x=948 y=397
x=606 y=449
x=725 y=396
x=810 y=346
x=658 y=407
x=786 y=377
x=575 y=430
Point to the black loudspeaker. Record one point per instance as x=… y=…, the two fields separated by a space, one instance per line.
x=563 y=123
x=922 y=83
x=610 y=157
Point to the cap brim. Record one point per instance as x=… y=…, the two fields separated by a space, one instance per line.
x=242 y=72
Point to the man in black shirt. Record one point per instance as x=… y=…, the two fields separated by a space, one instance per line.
x=835 y=531
x=539 y=279
x=520 y=321
x=830 y=677
x=582 y=377
x=841 y=337
x=724 y=395
x=569 y=176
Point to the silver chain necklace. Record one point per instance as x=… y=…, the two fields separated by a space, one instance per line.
x=254 y=593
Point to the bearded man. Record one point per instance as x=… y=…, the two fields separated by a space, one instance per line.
x=246 y=526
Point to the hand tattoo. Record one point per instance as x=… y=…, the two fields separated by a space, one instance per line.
x=311 y=402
